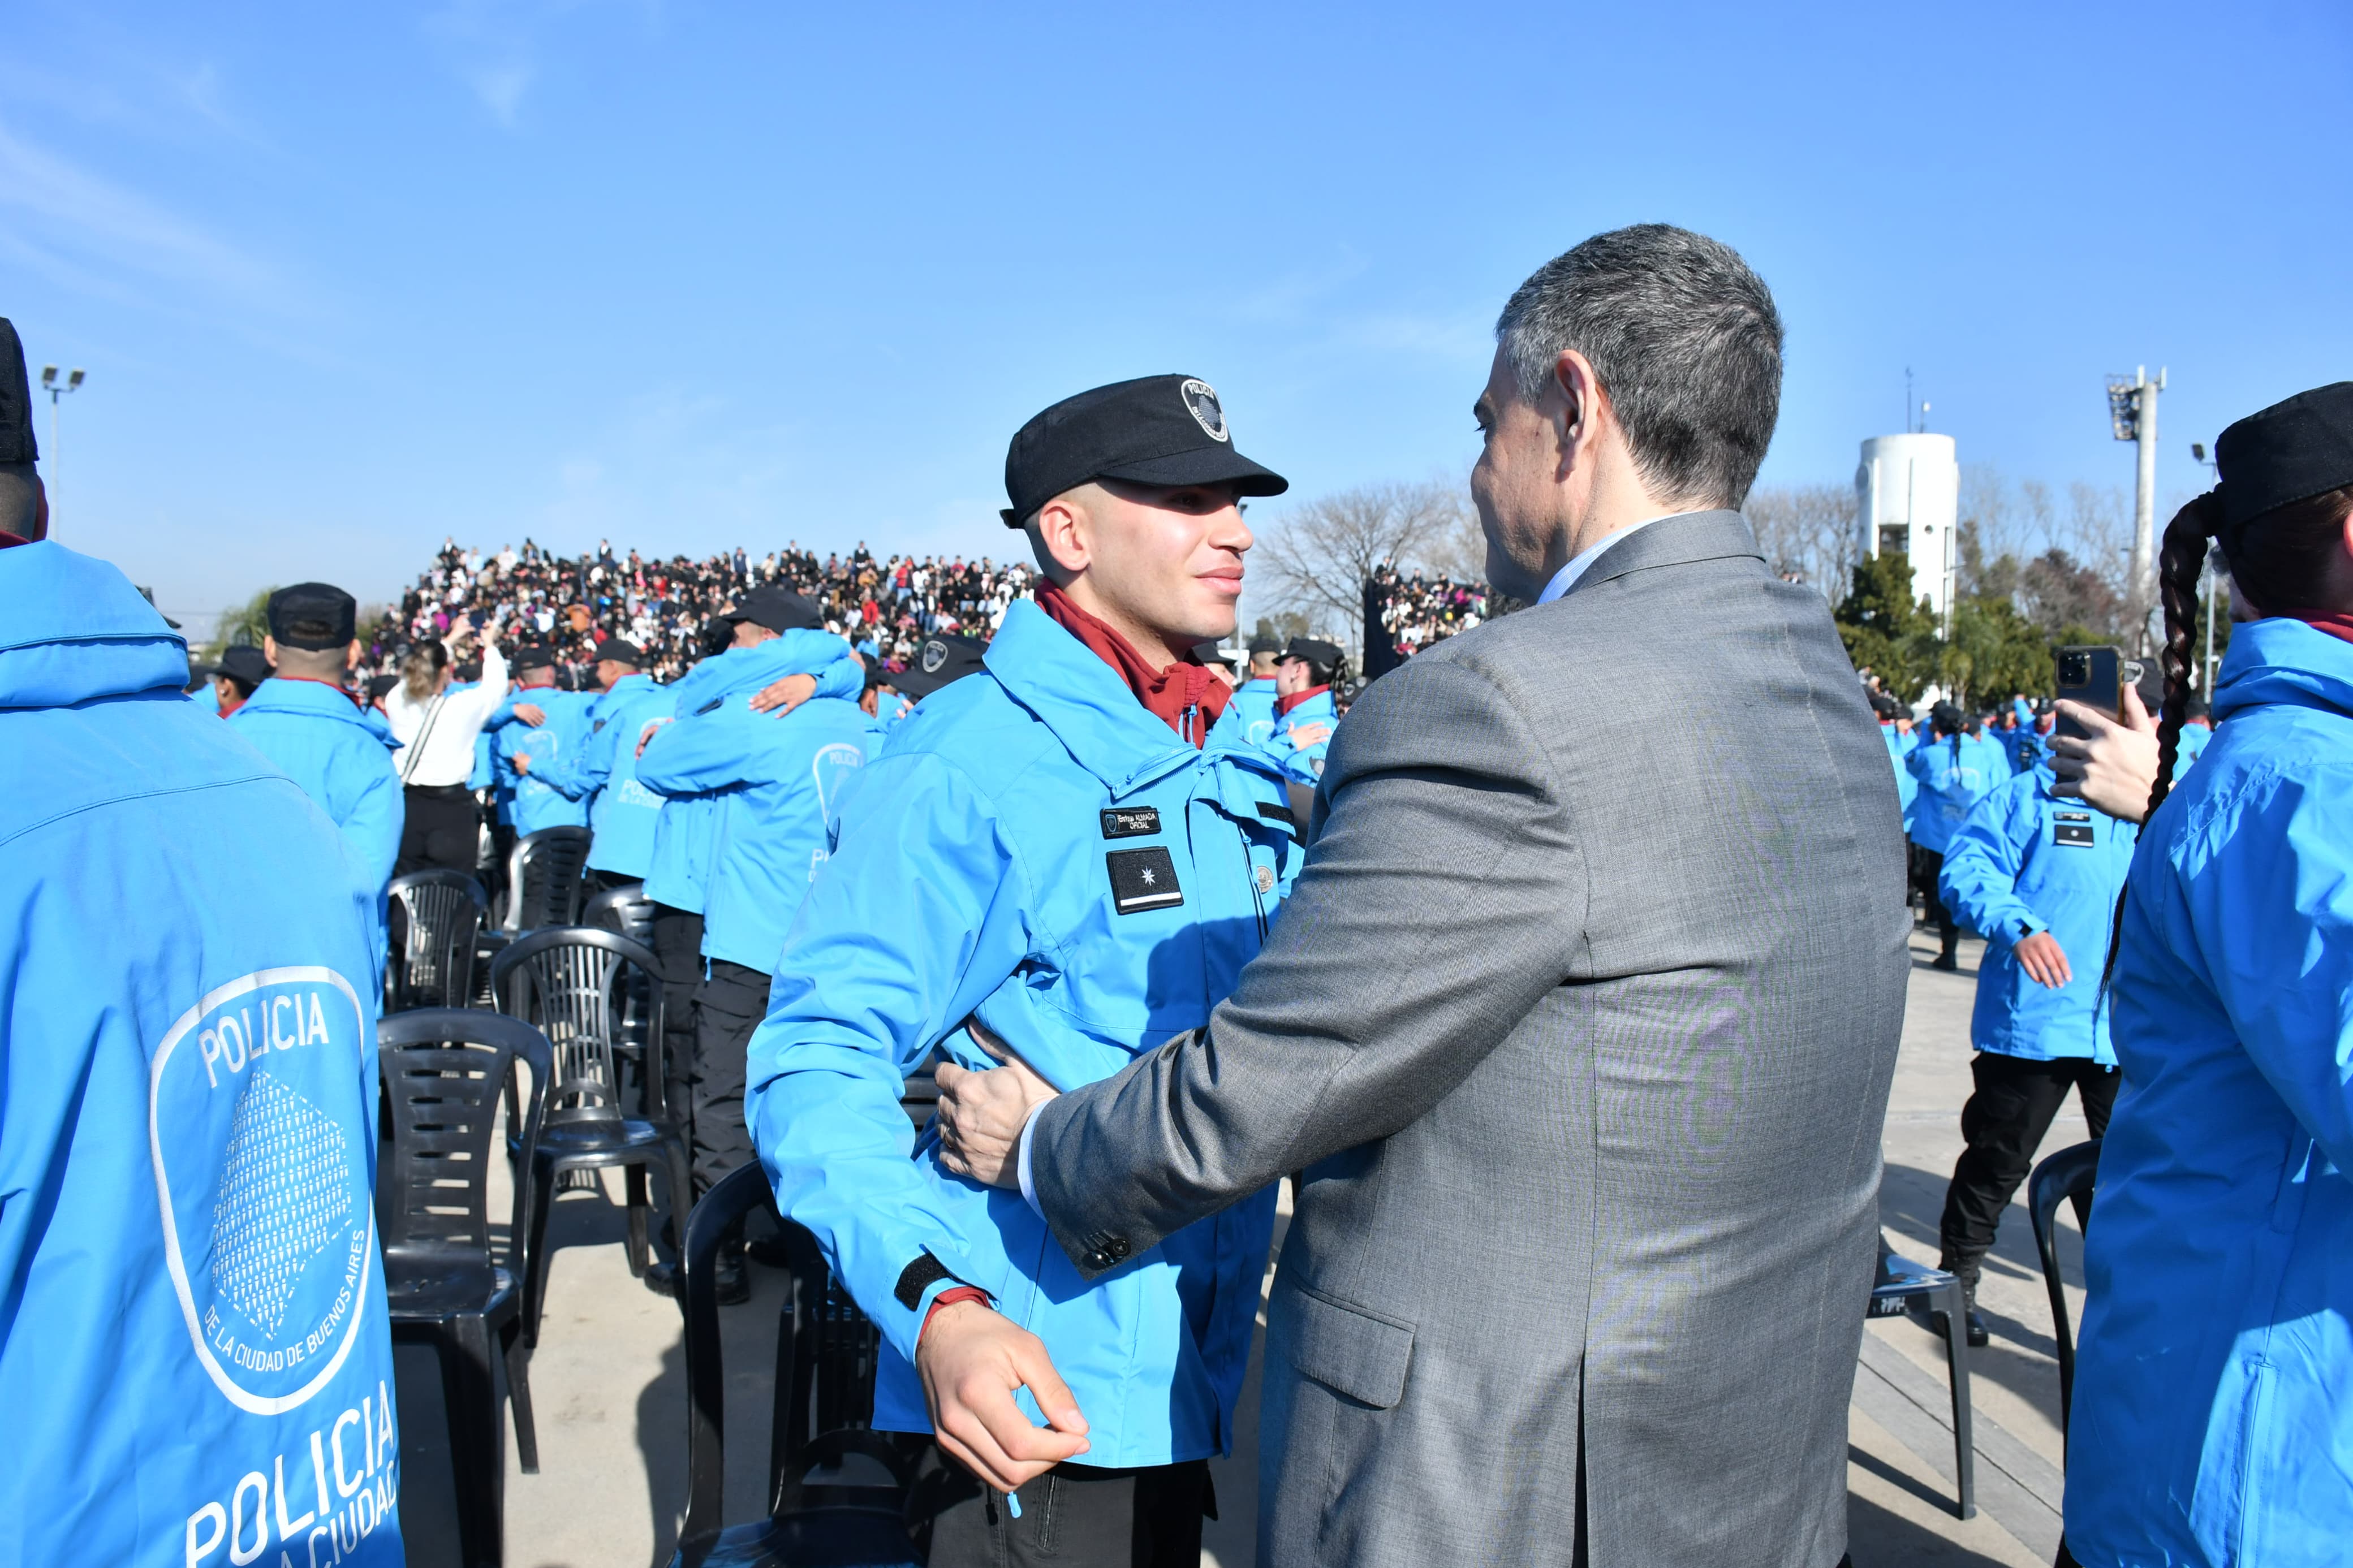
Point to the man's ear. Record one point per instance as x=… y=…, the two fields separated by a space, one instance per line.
x=352 y=655
x=1066 y=531
x=1574 y=421
x=270 y=649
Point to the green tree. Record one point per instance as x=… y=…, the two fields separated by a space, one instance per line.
x=241 y=625
x=1886 y=630
x=1993 y=652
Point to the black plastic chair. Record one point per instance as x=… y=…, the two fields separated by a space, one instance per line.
x=2070 y=1173
x=1899 y=1285
x=574 y=983
x=625 y=910
x=824 y=1400
x=544 y=884
x=440 y=916
x=442 y=1069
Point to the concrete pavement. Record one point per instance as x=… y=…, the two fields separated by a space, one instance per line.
x=608 y=1379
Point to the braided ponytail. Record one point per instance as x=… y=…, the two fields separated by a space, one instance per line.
x=2180 y=561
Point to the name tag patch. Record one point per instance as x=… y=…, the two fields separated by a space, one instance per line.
x=1131 y=822
x=2078 y=833
x=1142 y=880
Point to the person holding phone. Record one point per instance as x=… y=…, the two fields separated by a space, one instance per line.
x=2210 y=1422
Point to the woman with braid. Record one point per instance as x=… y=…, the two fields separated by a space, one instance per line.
x=2212 y=1419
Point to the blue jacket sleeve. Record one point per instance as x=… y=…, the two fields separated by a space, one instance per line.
x=581 y=771
x=1982 y=863
x=2271 y=915
x=373 y=811
x=917 y=917
x=845 y=678
x=713 y=751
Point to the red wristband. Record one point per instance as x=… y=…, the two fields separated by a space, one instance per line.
x=949 y=1298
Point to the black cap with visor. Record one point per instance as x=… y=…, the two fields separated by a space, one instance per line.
x=1159 y=430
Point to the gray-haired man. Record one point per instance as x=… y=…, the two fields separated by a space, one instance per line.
x=1580 y=1026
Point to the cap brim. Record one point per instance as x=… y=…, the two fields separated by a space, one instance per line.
x=1199 y=466
x=917 y=685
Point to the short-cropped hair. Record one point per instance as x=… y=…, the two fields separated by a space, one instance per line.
x=1684 y=338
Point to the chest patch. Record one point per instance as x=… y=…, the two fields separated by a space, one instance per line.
x=2078 y=833
x=1142 y=880
x=1272 y=811
x=1131 y=822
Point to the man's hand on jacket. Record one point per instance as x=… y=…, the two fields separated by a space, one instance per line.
x=783 y=694
x=971 y=1360
x=981 y=1114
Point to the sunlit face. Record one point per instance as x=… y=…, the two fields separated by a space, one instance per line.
x=1167 y=560
x=1515 y=483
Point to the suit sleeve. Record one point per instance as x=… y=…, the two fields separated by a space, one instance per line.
x=917 y=917
x=1982 y=864
x=1441 y=900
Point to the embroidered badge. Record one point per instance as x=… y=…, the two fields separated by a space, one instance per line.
x=935 y=653
x=1201 y=398
x=2078 y=833
x=1131 y=822
x=1142 y=880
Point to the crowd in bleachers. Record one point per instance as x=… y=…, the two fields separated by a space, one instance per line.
x=1415 y=611
x=885 y=606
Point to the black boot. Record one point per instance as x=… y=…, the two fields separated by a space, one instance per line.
x=1949 y=956
x=1968 y=1271
x=731 y=1284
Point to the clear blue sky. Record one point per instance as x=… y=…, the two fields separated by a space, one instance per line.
x=347 y=278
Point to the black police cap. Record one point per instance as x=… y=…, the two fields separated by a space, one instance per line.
x=16 y=443
x=617 y=650
x=1155 y=430
x=1266 y=644
x=778 y=609
x=2292 y=451
x=314 y=615
x=1314 y=650
x=938 y=662
x=1207 y=652
x=245 y=663
x=532 y=655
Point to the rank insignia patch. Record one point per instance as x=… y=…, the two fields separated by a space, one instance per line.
x=2076 y=832
x=1142 y=880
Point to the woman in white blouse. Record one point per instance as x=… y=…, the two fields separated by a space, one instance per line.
x=436 y=728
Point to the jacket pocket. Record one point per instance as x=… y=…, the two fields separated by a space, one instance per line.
x=1351 y=1351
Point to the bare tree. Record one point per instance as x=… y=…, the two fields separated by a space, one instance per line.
x=1318 y=555
x=1806 y=533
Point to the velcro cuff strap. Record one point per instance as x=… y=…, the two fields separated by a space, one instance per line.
x=917 y=1278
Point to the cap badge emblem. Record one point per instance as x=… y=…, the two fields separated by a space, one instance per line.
x=1202 y=399
x=935 y=653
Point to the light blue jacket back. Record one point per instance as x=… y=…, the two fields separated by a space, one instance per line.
x=681 y=858
x=778 y=780
x=2218 y=1330
x=195 y=1358
x=1954 y=773
x=1036 y=850
x=601 y=770
x=538 y=802
x=1302 y=735
x=324 y=742
x=2026 y=861
x=1253 y=704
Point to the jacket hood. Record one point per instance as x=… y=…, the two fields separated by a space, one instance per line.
x=2287 y=662
x=280 y=695
x=77 y=629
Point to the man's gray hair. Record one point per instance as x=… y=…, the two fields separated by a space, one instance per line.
x=1684 y=338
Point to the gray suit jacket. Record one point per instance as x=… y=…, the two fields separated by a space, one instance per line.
x=1580 y=1022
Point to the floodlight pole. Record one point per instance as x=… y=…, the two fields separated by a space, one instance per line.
x=2132 y=412
x=56 y=390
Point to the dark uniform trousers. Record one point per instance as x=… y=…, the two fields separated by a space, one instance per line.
x=1927 y=869
x=2004 y=1124
x=729 y=1006
x=1073 y=1515
x=678 y=943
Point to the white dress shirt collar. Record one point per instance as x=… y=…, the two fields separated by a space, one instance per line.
x=1566 y=578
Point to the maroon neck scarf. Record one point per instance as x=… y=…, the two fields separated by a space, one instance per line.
x=1168 y=694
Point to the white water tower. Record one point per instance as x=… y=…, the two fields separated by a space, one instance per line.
x=1908 y=495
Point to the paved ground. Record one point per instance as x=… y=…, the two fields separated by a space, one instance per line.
x=608 y=1379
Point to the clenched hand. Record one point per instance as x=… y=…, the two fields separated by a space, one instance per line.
x=981 y=1114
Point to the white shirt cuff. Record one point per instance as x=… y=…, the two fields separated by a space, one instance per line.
x=1028 y=1188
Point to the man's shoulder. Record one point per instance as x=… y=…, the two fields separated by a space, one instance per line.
x=117 y=752
x=975 y=726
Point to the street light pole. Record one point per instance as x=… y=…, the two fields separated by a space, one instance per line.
x=2214 y=574
x=56 y=389
x=2132 y=412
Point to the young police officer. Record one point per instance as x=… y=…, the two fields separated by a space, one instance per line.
x=1071 y=852
x=601 y=770
x=1304 y=714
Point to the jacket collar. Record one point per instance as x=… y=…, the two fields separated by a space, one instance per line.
x=1088 y=708
x=76 y=629
x=1680 y=541
x=280 y=695
x=2283 y=661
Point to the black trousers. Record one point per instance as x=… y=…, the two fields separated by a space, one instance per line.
x=727 y=1007
x=441 y=830
x=678 y=943
x=2003 y=1123
x=1073 y=1515
x=1927 y=866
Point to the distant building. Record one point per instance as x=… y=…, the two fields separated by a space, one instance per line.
x=1909 y=490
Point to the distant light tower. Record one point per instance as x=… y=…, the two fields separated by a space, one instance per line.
x=56 y=389
x=2132 y=413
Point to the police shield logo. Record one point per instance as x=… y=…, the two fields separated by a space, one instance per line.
x=1201 y=398
x=935 y=653
x=255 y=1125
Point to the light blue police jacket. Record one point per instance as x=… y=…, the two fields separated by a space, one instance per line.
x=1036 y=850
x=2217 y=1332
x=684 y=831
x=323 y=740
x=2026 y=861
x=603 y=770
x=1899 y=747
x=194 y=1360
x=1253 y=705
x=538 y=803
x=778 y=780
x=1954 y=772
x=1304 y=762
